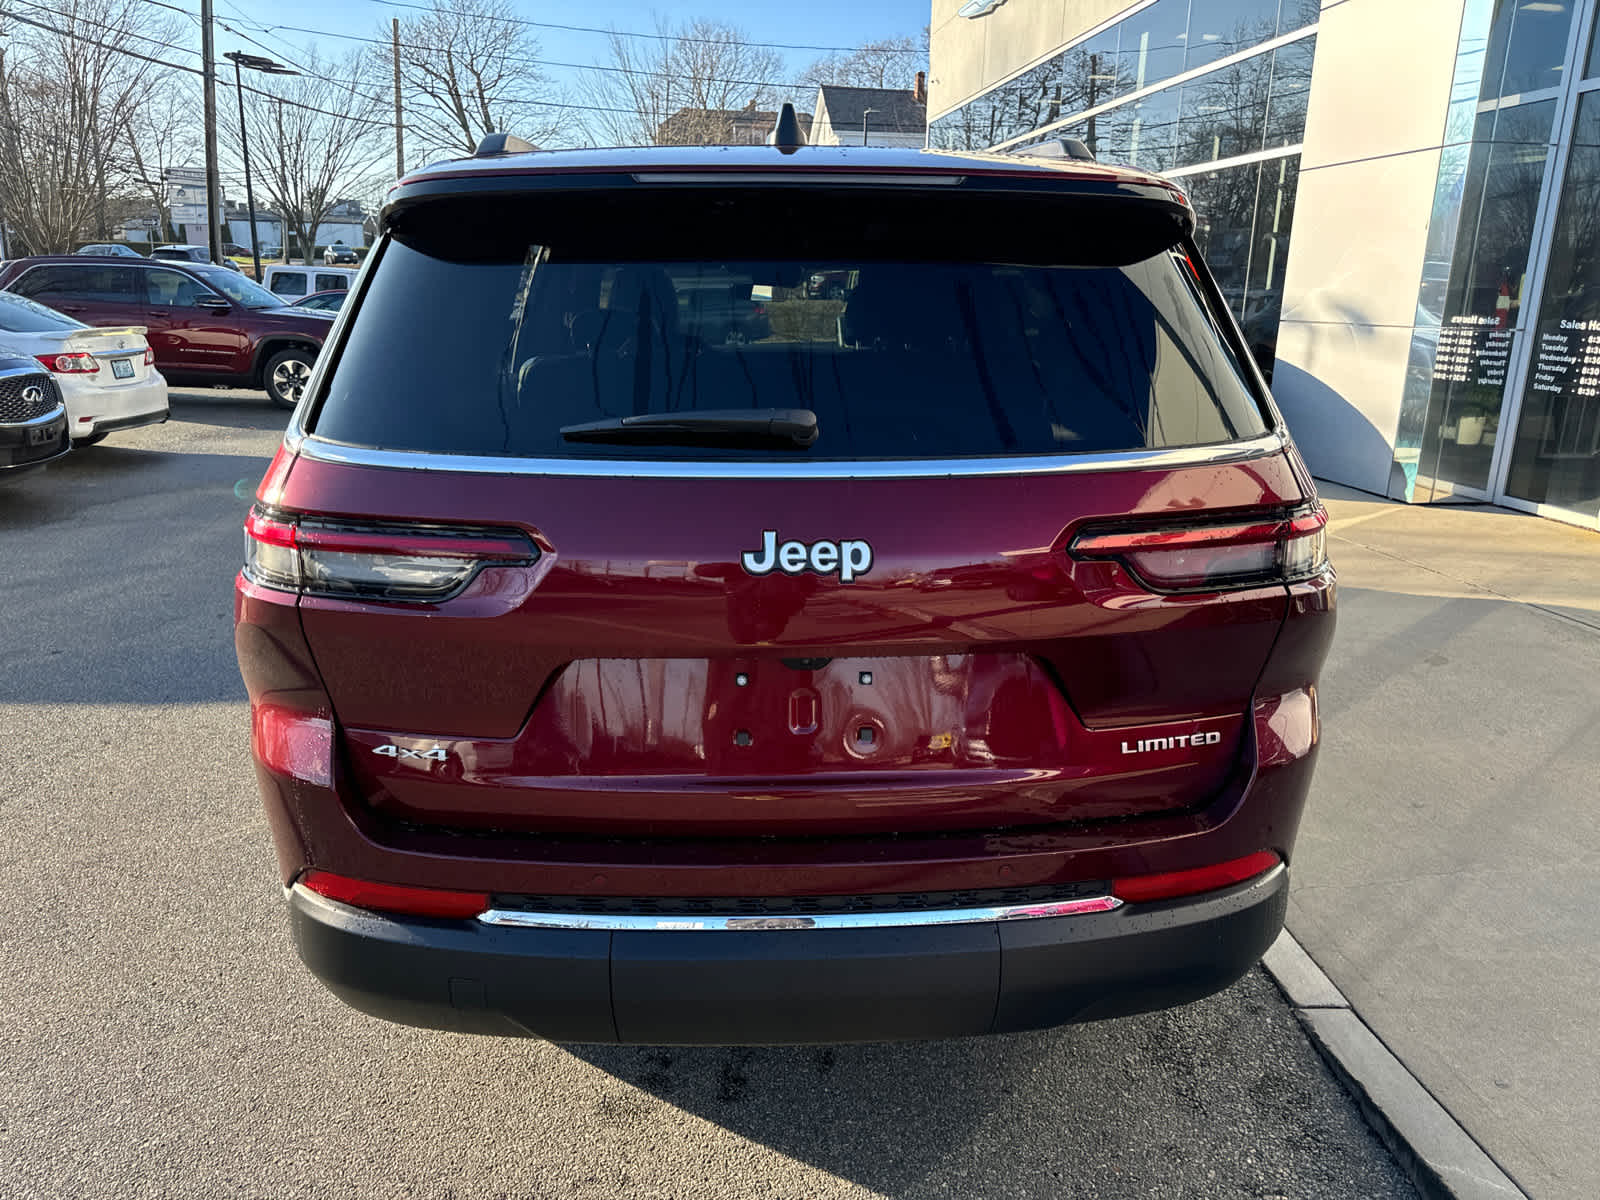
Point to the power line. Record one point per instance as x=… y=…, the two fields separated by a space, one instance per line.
x=536 y=61
x=78 y=37
x=143 y=37
x=660 y=37
x=626 y=33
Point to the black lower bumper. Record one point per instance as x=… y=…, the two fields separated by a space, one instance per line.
x=137 y=421
x=29 y=444
x=788 y=986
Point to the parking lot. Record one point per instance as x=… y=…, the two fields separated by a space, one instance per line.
x=161 y=1038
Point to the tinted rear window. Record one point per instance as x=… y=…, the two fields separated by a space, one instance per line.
x=20 y=315
x=901 y=346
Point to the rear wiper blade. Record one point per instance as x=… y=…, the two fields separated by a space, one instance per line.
x=719 y=426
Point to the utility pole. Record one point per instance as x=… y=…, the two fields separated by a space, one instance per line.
x=208 y=65
x=255 y=62
x=399 y=125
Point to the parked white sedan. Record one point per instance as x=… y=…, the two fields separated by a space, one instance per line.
x=107 y=376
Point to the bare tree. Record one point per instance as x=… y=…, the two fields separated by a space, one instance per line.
x=67 y=97
x=686 y=88
x=318 y=138
x=468 y=68
x=890 y=63
x=162 y=133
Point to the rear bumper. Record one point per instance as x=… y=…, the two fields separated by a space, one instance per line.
x=96 y=409
x=28 y=444
x=787 y=986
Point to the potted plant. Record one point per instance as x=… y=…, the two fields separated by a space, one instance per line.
x=1474 y=416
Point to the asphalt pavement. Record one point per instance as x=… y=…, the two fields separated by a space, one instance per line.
x=1447 y=875
x=159 y=1038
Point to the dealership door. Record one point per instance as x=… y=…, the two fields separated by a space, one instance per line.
x=1506 y=350
x=1547 y=456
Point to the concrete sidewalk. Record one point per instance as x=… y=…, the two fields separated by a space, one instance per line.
x=1447 y=875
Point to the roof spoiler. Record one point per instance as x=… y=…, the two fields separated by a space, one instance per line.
x=495 y=144
x=787 y=135
x=1058 y=148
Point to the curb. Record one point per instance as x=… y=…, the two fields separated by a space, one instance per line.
x=1440 y=1157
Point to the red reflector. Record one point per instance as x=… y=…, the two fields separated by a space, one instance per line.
x=293 y=743
x=268 y=529
x=1187 y=883
x=396 y=898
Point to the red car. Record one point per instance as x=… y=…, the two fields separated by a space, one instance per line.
x=206 y=324
x=947 y=666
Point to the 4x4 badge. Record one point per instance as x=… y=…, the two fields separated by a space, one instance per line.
x=437 y=754
x=847 y=559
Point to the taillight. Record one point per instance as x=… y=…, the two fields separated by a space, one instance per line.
x=1170 y=884
x=149 y=357
x=70 y=364
x=1215 y=555
x=396 y=898
x=316 y=556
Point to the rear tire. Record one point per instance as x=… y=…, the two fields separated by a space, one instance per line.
x=93 y=439
x=286 y=374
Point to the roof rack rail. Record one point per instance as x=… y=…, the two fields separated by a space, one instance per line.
x=495 y=144
x=787 y=135
x=1057 y=148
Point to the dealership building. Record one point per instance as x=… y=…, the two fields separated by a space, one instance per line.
x=1400 y=200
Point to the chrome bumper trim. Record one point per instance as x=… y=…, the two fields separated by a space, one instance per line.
x=311 y=446
x=698 y=922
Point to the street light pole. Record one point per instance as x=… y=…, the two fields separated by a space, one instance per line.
x=255 y=62
x=865 y=112
x=208 y=64
x=249 y=192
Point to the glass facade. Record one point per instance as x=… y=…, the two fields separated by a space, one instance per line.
x=1154 y=44
x=1473 y=304
x=1556 y=456
x=1482 y=339
x=1105 y=90
x=1243 y=218
x=1501 y=396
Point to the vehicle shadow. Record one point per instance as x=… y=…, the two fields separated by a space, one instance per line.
x=1116 y=1108
x=227 y=409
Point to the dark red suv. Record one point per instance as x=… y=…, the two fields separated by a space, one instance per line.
x=207 y=324
x=942 y=661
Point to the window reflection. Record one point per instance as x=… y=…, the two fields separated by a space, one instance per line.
x=1483 y=298
x=1527 y=46
x=1269 y=255
x=1224 y=113
x=1291 y=87
x=1225 y=108
x=1243 y=217
x=1152 y=45
x=1297 y=14
x=1143 y=133
x=1218 y=28
x=1556 y=458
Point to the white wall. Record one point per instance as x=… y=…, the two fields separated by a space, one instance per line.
x=1374 y=131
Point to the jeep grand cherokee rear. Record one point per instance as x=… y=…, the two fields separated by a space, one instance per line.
x=939 y=658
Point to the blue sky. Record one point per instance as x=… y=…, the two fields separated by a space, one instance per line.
x=818 y=22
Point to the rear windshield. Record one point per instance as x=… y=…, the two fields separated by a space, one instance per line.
x=920 y=350
x=18 y=314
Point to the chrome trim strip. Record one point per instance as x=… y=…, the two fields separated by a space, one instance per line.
x=57 y=413
x=695 y=922
x=783 y=178
x=1115 y=460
